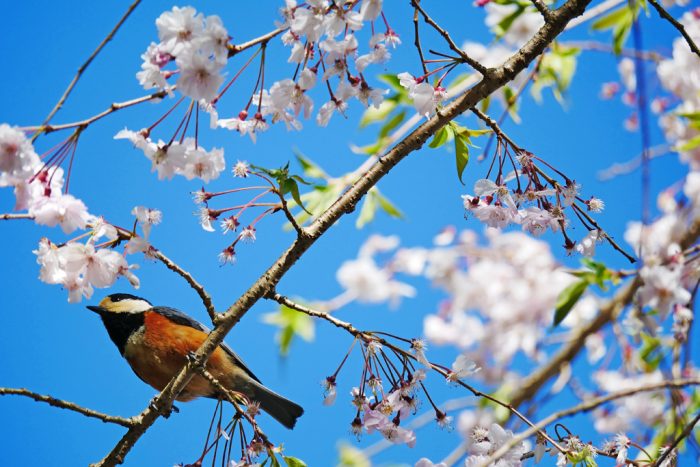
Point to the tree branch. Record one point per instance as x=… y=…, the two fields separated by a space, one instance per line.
x=445 y=35
x=236 y=49
x=199 y=288
x=543 y=9
x=345 y=204
x=8 y=217
x=126 y=422
x=84 y=66
x=665 y=15
x=45 y=128
x=529 y=386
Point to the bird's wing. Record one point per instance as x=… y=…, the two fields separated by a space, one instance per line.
x=180 y=318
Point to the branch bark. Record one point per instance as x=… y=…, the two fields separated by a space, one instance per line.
x=62 y=404
x=528 y=387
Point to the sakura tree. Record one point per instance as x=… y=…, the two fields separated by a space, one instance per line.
x=499 y=269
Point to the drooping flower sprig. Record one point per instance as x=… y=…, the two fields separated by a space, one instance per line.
x=278 y=182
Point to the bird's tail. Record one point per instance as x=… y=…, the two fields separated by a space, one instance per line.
x=283 y=410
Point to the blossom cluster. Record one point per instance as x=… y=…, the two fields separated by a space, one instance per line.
x=197 y=45
x=669 y=274
x=38 y=188
x=537 y=207
x=322 y=38
x=80 y=267
x=485 y=441
x=184 y=158
x=680 y=75
x=497 y=306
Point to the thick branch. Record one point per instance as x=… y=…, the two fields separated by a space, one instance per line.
x=529 y=386
x=127 y=422
x=587 y=406
x=345 y=204
x=665 y=15
x=84 y=66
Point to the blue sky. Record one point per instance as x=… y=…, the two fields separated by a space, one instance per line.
x=61 y=349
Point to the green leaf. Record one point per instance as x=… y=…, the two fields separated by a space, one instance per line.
x=293 y=461
x=310 y=168
x=350 y=456
x=291 y=323
x=502 y=27
x=567 y=299
x=391 y=124
x=393 y=81
x=290 y=186
x=274 y=462
x=373 y=114
x=651 y=351
x=368 y=210
x=439 y=138
x=387 y=206
x=692 y=143
x=461 y=154
x=620 y=21
x=612 y=19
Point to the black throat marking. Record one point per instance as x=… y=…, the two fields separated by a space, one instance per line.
x=121 y=325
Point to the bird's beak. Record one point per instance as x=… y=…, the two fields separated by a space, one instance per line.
x=97 y=309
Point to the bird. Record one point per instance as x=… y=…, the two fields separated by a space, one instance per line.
x=157 y=340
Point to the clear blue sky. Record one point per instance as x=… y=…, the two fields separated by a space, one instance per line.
x=57 y=348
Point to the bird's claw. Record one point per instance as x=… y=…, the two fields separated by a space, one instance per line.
x=192 y=357
x=165 y=413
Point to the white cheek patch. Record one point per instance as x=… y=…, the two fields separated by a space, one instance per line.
x=126 y=306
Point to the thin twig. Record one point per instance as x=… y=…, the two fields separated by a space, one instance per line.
x=416 y=41
x=463 y=55
x=491 y=123
x=112 y=108
x=126 y=422
x=199 y=288
x=543 y=9
x=84 y=66
x=607 y=48
x=236 y=49
x=7 y=217
x=684 y=434
x=288 y=214
x=665 y=15
x=587 y=406
x=623 y=168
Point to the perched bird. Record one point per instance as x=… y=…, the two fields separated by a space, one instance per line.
x=156 y=341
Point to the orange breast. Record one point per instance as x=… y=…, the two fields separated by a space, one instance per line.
x=160 y=351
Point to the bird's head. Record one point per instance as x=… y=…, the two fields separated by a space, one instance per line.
x=121 y=303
